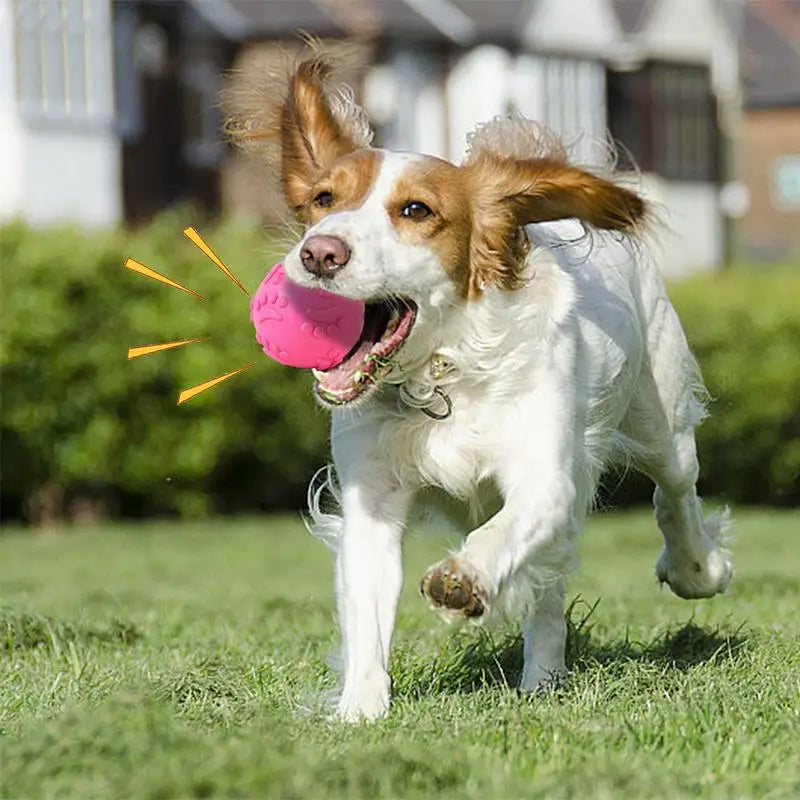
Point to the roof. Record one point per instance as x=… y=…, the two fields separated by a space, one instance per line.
x=631 y=13
x=771 y=53
x=457 y=21
x=508 y=23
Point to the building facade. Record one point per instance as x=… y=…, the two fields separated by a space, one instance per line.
x=660 y=75
x=59 y=150
x=771 y=132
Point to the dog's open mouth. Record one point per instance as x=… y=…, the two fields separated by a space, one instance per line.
x=387 y=324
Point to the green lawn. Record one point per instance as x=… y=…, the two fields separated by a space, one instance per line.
x=189 y=660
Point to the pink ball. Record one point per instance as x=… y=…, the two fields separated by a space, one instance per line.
x=302 y=327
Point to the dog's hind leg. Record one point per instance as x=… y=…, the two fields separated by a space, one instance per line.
x=693 y=561
x=661 y=420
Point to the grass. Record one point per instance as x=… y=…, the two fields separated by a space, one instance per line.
x=187 y=660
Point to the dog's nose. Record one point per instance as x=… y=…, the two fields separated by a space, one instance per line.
x=324 y=255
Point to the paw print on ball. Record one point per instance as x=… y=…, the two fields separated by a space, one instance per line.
x=302 y=327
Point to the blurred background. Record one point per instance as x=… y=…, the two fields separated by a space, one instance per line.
x=110 y=145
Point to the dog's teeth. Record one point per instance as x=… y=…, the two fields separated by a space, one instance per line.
x=390 y=328
x=319 y=375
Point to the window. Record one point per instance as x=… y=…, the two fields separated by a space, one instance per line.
x=63 y=53
x=574 y=105
x=664 y=118
x=567 y=95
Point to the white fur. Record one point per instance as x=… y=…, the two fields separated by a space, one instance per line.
x=584 y=365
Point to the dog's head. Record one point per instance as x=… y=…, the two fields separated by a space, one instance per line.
x=413 y=236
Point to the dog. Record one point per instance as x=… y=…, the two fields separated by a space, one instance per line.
x=516 y=334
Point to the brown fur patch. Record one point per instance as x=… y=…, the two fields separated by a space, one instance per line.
x=349 y=180
x=480 y=209
x=309 y=126
x=509 y=193
x=443 y=188
x=311 y=137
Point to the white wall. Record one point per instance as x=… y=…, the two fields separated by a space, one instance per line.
x=564 y=94
x=71 y=176
x=569 y=97
x=405 y=98
x=575 y=27
x=688 y=230
x=11 y=140
x=477 y=88
x=679 y=29
x=59 y=165
x=695 y=31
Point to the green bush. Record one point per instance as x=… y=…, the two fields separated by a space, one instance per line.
x=78 y=415
x=744 y=327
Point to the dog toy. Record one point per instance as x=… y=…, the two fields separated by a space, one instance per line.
x=301 y=327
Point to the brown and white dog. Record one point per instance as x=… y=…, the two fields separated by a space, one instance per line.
x=502 y=345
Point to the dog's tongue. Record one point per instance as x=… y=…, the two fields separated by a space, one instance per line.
x=302 y=327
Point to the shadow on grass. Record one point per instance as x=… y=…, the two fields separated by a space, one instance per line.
x=472 y=659
x=681 y=648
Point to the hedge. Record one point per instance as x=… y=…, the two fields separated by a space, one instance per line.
x=79 y=418
x=744 y=328
x=77 y=414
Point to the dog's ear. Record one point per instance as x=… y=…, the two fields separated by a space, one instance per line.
x=298 y=120
x=312 y=136
x=508 y=193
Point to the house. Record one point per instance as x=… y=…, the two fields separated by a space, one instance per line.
x=59 y=151
x=771 y=131
x=661 y=75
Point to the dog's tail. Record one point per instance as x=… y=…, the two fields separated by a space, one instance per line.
x=324 y=501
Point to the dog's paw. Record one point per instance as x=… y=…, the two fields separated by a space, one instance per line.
x=454 y=591
x=697 y=576
x=366 y=700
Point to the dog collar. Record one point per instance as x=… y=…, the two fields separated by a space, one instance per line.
x=425 y=392
x=448 y=405
x=439 y=368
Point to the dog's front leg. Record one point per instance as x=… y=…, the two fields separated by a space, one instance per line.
x=528 y=543
x=531 y=530
x=524 y=549
x=369 y=577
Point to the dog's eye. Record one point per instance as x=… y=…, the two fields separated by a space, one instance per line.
x=324 y=200
x=415 y=210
